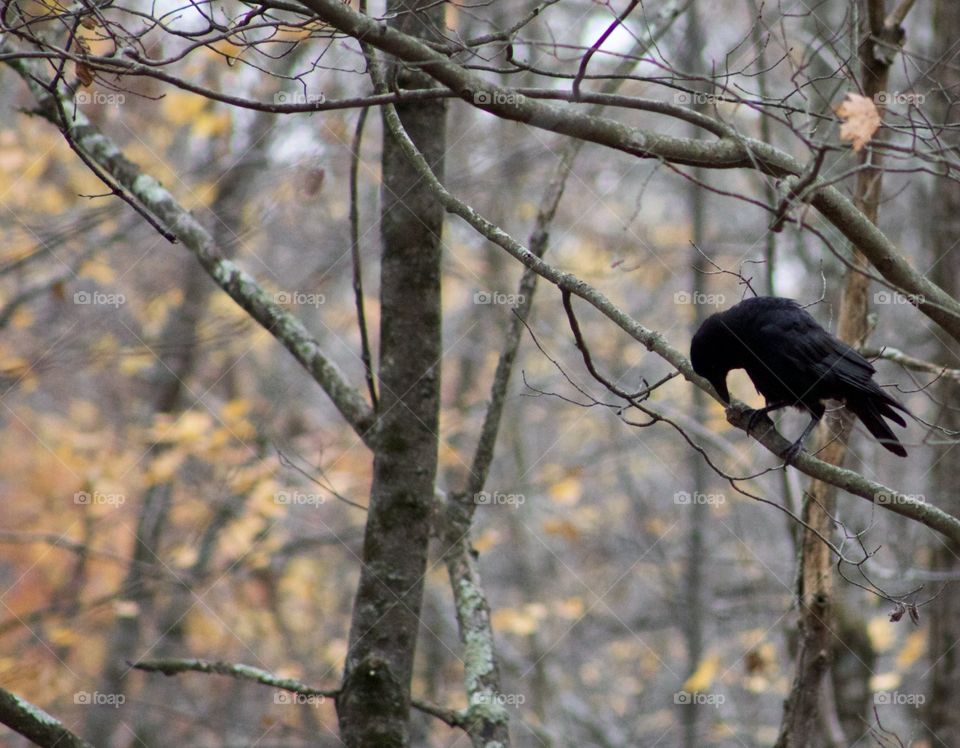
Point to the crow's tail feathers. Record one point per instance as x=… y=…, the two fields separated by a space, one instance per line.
x=871 y=410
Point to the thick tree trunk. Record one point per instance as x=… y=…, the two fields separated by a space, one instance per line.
x=374 y=704
x=942 y=718
x=694 y=592
x=810 y=718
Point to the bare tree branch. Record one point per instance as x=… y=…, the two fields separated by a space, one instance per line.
x=239 y=285
x=239 y=671
x=738 y=415
x=728 y=152
x=35 y=724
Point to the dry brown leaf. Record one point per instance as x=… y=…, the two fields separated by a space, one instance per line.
x=860 y=120
x=84 y=73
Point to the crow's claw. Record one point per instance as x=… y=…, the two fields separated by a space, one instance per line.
x=791 y=452
x=755 y=417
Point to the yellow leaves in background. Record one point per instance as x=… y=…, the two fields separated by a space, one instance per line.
x=263 y=499
x=885 y=681
x=571 y=608
x=18 y=674
x=527 y=210
x=224 y=307
x=125 y=609
x=182 y=108
x=522 y=621
x=183 y=556
x=235 y=418
x=670 y=234
x=881 y=632
x=238 y=539
x=722 y=732
x=158 y=309
x=702 y=678
x=287 y=33
x=341 y=131
x=92 y=39
x=448 y=455
x=562 y=528
x=14 y=367
x=761 y=666
x=199 y=428
x=204 y=118
x=883 y=637
x=526 y=619
x=487 y=540
x=336 y=651
x=228 y=50
x=656 y=526
x=44 y=7
x=590 y=254
x=185 y=430
x=100 y=272
x=567 y=491
x=133 y=363
x=63 y=636
x=199 y=433
x=84 y=414
x=38 y=172
x=13 y=157
x=860 y=120
x=253 y=477
x=913 y=648
x=212 y=124
x=164 y=466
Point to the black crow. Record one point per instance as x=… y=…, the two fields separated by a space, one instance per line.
x=792 y=360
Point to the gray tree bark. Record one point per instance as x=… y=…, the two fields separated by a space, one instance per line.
x=810 y=713
x=942 y=717
x=374 y=704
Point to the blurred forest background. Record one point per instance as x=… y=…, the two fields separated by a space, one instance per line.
x=176 y=485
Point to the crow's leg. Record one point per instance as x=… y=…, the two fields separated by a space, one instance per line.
x=761 y=412
x=816 y=413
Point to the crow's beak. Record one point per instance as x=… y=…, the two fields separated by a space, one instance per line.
x=720 y=385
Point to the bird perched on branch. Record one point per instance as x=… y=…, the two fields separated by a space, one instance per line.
x=792 y=361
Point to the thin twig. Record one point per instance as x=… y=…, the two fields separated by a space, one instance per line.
x=355 y=255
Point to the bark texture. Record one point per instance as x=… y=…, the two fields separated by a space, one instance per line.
x=373 y=707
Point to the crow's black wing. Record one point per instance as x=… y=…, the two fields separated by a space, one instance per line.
x=854 y=383
x=792 y=355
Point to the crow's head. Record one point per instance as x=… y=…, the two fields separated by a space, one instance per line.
x=711 y=353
